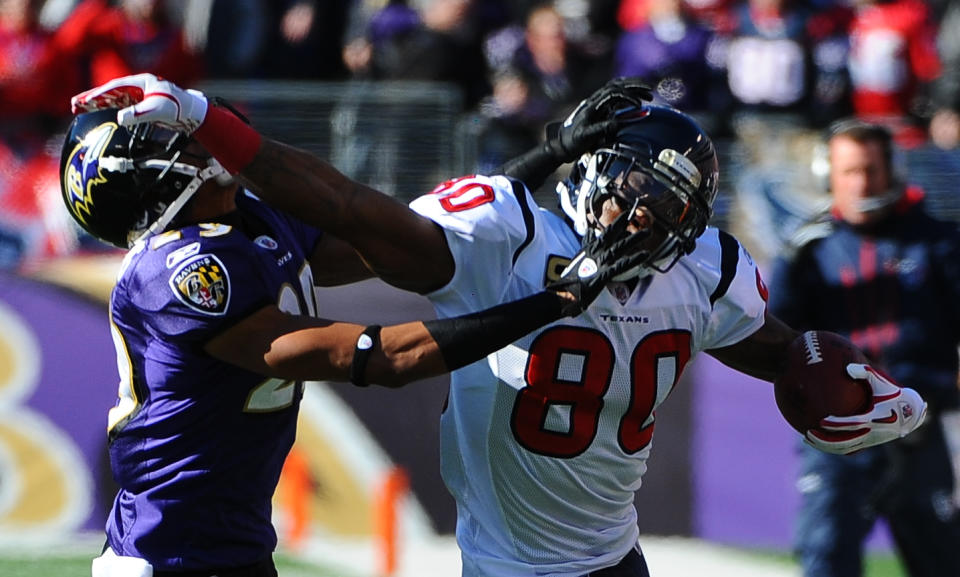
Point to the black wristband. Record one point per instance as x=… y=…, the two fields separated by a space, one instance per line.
x=366 y=343
x=466 y=339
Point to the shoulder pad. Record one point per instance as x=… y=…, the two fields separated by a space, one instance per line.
x=167 y=250
x=478 y=206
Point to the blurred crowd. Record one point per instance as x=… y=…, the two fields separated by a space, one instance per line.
x=745 y=68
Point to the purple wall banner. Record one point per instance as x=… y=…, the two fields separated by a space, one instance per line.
x=745 y=462
x=58 y=378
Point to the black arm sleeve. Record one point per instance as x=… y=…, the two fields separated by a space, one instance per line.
x=532 y=167
x=465 y=339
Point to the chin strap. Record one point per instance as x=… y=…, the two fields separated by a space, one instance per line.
x=574 y=196
x=200 y=176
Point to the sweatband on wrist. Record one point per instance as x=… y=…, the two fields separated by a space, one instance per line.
x=466 y=339
x=230 y=140
x=366 y=343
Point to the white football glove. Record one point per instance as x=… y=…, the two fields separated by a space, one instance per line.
x=895 y=412
x=146 y=98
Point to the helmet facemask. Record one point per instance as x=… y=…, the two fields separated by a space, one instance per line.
x=663 y=161
x=663 y=190
x=163 y=180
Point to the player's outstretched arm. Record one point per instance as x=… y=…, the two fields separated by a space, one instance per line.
x=284 y=346
x=402 y=247
x=279 y=345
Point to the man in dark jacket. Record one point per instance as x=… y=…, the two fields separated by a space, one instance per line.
x=885 y=273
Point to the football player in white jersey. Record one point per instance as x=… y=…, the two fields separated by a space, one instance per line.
x=545 y=441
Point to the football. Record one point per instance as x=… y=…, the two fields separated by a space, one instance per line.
x=815 y=383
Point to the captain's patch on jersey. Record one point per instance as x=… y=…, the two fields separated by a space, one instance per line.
x=202 y=283
x=555 y=267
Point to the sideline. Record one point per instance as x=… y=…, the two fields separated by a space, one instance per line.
x=666 y=557
x=439 y=557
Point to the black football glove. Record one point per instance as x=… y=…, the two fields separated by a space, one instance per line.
x=592 y=122
x=601 y=259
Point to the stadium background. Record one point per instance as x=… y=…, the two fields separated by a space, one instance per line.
x=723 y=462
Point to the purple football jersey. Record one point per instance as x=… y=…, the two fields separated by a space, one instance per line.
x=196 y=445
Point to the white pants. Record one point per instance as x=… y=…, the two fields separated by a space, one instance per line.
x=112 y=565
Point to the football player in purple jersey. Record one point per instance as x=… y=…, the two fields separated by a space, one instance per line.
x=214 y=321
x=544 y=444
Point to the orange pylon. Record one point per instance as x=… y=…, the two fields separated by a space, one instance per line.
x=299 y=486
x=386 y=531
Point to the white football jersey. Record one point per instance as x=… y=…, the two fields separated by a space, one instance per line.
x=545 y=441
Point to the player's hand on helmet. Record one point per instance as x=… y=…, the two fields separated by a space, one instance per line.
x=592 y=122
x=894 y=413
x=146 y=98
x=601 y=259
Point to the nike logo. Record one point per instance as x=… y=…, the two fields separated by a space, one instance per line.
x=139 y=113
x=891 y=419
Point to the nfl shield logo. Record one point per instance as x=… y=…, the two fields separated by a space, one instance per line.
x=202 y=283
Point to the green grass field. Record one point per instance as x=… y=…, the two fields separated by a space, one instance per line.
x=77 y=565
x=73 y=565
x=875 y=566
x=71 y=557
x=883 y=567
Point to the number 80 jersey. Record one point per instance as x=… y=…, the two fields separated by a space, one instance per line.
x=545 y=441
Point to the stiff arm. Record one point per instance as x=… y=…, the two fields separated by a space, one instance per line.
x=403 y=248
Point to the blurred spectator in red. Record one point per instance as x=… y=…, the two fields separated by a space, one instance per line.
x=35 y=84
x=893 y=58
x=14 y=243
x=669 y=50
x=39 y=71
x=632 y=14
x=713 y=14
x=35 y=88
x=128 y=37
x=33 y=224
